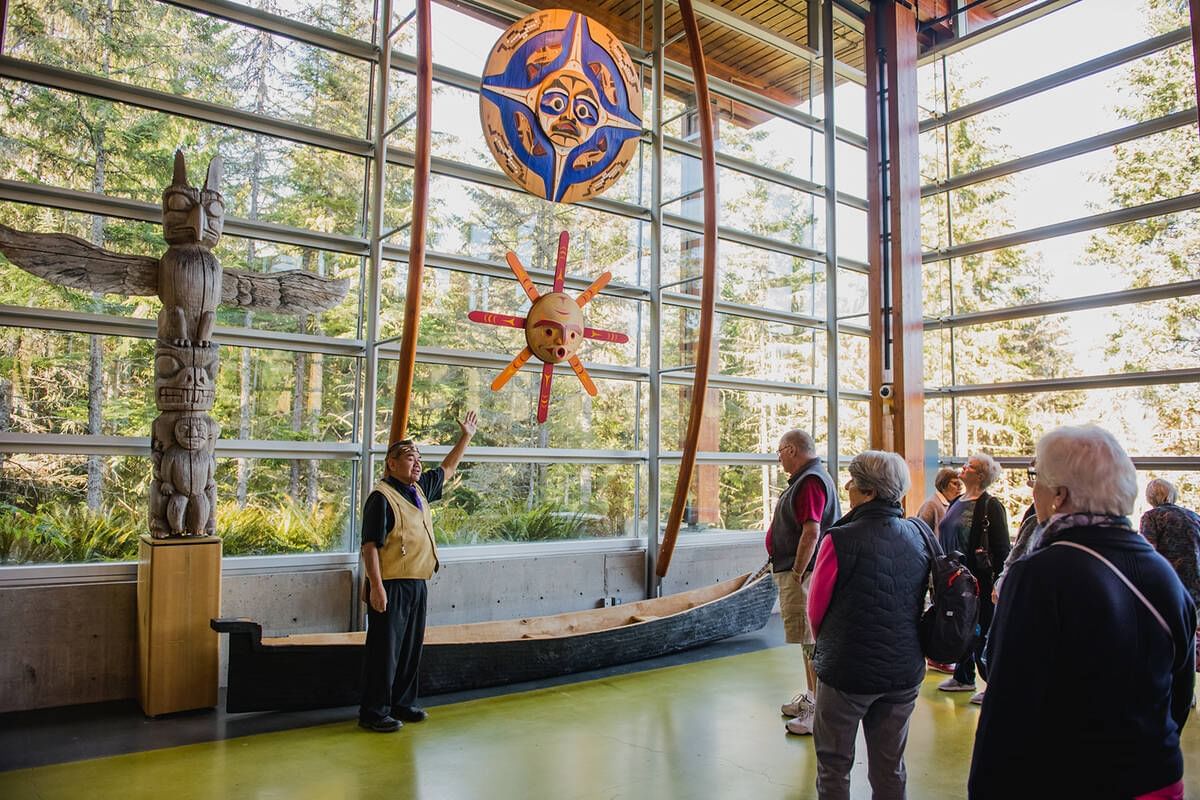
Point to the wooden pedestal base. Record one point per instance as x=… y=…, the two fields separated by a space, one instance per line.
x=178 y=592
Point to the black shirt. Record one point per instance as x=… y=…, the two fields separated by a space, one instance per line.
x=377 y=517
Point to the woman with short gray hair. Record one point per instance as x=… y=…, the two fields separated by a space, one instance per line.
x=946 y=487
x=868 y=657
x=1174 y=531
x=1092 y=652
x=976 y=524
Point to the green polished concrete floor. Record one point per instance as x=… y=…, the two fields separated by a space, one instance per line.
x=709 y=729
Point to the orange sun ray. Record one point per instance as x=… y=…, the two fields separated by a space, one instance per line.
x=518 y=269
x=513 y=368
x=582 y=373
x=594 y=289
x=495 y=318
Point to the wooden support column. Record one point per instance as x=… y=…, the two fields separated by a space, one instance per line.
x=894 y=239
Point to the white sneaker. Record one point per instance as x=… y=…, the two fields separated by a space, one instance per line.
x=951 y=685
x=977 y=698
x=800 y=706
x=801 y=726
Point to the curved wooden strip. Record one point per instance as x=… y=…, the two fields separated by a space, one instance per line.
x=416 y=247
x=708 y=168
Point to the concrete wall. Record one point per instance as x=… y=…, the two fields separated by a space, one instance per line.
x=77 y=642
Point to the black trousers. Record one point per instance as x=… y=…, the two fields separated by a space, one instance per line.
x=965 y=671
x=393 y=657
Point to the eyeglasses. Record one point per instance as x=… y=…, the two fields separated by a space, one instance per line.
x=1030 y=473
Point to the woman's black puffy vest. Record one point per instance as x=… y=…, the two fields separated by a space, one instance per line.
x=868 y=638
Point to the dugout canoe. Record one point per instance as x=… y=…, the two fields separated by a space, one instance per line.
x=323 y=670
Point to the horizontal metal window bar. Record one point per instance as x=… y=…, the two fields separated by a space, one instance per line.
x=1053 y=154
x=680 y=282
x=399 y=25
x=167 y=103
x=283 y=26
x=743 y=311
x=85 y=445
x=110 y=325
x=1164 y=463
x=1125 y=297
x=476 y=266
x=430 y=454
x=1070 y=384
x=123 y=208
x=476 y=360
x=677 y=37
x=1060 y=78
x=399 y=125
x=754 y=170
x=682 y=368
x=1120 y=216
x=393 y=231
x=737 y=383
x=687 y=110
x=1014 y=20
x=733 y=459
x=497 y=179
x=748 y=97
x=688 y=195
x=761 y=242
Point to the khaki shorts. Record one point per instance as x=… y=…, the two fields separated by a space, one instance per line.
x=793 y=606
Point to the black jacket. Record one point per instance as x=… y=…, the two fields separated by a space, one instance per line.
x=991 y=511
x=1086 y=693
x=868 y=639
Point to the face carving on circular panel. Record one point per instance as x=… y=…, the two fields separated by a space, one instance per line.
x=554 y=327
x=561 y=106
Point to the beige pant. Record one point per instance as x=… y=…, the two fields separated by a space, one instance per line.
x=793 y=607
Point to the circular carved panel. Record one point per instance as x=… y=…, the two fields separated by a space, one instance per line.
x=561 y=105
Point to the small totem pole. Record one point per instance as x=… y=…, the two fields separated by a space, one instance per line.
x=190 y=282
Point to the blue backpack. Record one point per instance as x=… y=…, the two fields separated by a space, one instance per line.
x=947 y=628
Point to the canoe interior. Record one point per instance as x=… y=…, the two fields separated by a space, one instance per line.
x=552 y=626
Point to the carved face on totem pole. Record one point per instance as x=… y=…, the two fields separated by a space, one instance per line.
x=191 y=215
x=185 y=378
x=554 y=327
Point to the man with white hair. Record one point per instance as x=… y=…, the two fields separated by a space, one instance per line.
x=868 y=591
x=806 y=509
x=1091 y=658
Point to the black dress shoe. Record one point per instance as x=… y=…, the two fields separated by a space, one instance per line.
x=381 y=725
x=410 y=713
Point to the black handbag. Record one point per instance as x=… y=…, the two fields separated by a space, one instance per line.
x=983 y=553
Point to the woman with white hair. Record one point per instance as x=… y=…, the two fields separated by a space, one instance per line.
x=1174 y=532
x=976 y=524
x=867 y=593
x=1092 y=654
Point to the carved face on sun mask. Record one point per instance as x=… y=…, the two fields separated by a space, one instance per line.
x=568 y=109
x=185 y=377
x=191 y=215
x=554 y=327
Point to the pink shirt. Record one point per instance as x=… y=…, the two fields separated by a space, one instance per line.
x=808 y=503
x=820 y=590
x=1172 y=792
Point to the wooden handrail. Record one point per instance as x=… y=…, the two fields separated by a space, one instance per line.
x=416 y=248
x=708 y=169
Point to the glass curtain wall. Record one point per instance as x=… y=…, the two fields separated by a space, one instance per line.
x=95 y=98
x=1059 y=223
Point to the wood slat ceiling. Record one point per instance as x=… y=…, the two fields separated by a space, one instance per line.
x=745 y=60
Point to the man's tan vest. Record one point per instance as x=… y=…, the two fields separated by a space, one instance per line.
x=409 y=550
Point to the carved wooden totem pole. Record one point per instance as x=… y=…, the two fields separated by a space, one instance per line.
x=190 y=282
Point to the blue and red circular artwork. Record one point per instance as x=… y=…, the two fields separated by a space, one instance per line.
x=561 y=105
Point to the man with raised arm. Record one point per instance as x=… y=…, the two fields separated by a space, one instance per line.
x=400 y=555
x=806 y=509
